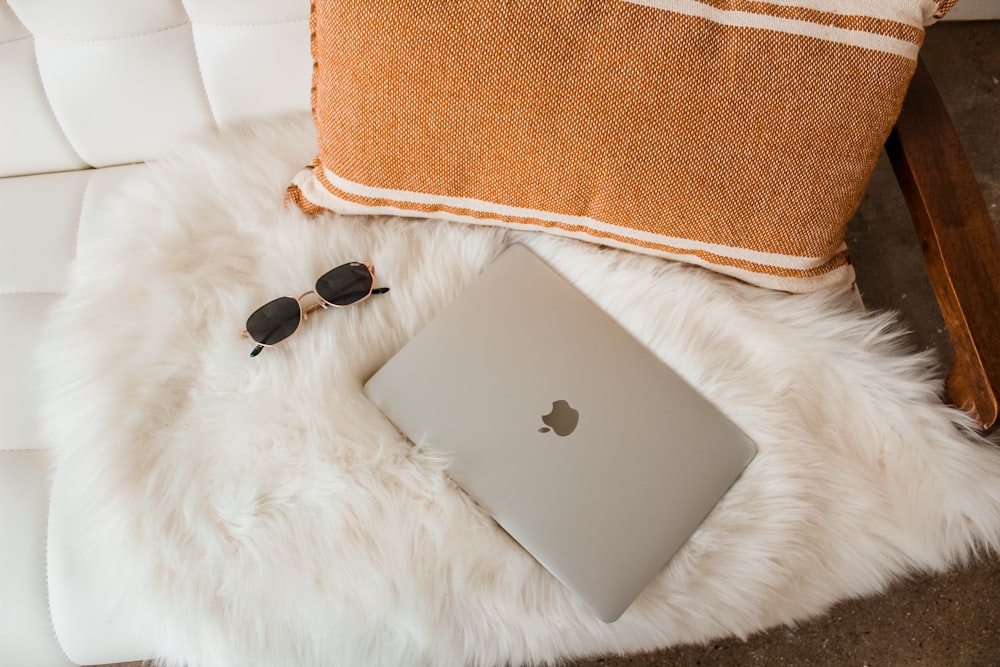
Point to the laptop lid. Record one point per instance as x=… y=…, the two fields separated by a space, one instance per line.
x=589 y=451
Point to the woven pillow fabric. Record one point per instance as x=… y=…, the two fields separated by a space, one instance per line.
x=733 y=134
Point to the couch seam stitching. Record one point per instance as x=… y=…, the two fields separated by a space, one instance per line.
x=52 y=107
x=79 y=221
x=190 y=21
x=16 y=40
x=115 y=38
x=41 y=80
x=48 y=584
x=261 y=24
x=201 y=70
x=31 y=293
x=201 y=77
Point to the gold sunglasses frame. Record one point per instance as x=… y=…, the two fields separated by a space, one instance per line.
x=321 y=304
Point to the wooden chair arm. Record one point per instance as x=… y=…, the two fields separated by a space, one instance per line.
x=959 y=242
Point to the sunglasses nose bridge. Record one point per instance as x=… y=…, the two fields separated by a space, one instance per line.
x=311 y=305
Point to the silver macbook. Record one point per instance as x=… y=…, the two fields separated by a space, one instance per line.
x=589 y=451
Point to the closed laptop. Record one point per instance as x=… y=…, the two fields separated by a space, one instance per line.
x=587 y=449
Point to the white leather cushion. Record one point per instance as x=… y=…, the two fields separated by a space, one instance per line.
x=124 y=100
x=21 y=319
x=38 y=234
x=27 y=638
x=38 y=240
x=83 y=615
x=226 y=53
x=37 y=243
x=111 y=81
x=47 y=220
x=30 y=136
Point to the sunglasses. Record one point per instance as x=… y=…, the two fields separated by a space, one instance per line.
x=277 y=320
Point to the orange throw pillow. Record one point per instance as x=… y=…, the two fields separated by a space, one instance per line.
x=733 y=134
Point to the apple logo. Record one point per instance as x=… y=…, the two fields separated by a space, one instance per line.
x=563 y=419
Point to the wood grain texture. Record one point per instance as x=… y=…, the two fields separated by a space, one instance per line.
x=959 y=242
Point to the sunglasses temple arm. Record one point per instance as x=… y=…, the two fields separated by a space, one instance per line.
x=380 y=290
x=257 y=350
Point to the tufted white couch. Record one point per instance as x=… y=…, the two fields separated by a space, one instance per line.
x=89 y=89
x=86 y=87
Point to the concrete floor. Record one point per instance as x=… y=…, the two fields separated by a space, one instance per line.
x=938 y=621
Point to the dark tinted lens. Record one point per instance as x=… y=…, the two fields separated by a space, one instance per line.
x=345 y=284
x=274 y=321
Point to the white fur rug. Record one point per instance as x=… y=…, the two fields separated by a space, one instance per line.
x=262 y=512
